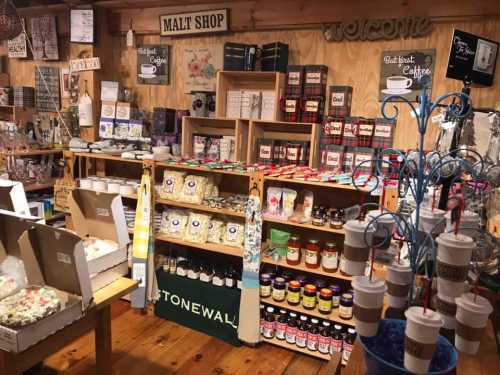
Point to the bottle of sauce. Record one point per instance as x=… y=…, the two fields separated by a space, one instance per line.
x=293 y=296
x=348 y=345
x=230 y=279
x=301 y=339
x=330 y=258
x=269 y=323
x=345 y=308
x=281 y=325
x=292 y=328
x=313 y=255
x=293 y=251
x=335 y=295
x=309 y=298
x=324 y=338
x=325 y=301
x=313 y=335
x=337 y=340
x=265 y=285
x=279 y=291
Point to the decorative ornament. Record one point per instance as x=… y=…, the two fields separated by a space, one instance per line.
x=10 y=23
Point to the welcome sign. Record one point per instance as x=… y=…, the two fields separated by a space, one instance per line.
x=201 y=306
x=207 y=21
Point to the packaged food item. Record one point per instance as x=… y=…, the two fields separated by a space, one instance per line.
x=289 y=196
x=234 y=234
x=176 y=223
x=193 y=189
x=197 y=228
x=215 y=231
x=273 y=200
x=199 y=144
x=308 y=205
x=213 y=149
x=209 y=187
x=173 y=182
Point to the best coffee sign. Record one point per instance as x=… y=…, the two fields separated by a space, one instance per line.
x=400 y=73
x=207 y=21
x=153 y=64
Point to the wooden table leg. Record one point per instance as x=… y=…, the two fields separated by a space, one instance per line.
x=103 y=341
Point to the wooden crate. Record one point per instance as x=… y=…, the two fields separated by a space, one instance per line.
x=285 y=131
x=227 y=80
x=215 y=126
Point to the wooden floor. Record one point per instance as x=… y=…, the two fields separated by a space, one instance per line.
x=145 y=344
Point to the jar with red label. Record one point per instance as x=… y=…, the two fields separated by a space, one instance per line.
x=313 y=254
x=281 y=325
x=324 y=338
x=269 y=323
x=291 y=329
x=301 y=339
x=337 y=340
x=313 y=335
x=330 y=258
x=293 y=251
x=309 y=297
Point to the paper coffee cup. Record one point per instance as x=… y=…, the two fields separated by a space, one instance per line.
x=352 y=268
x=472 y=317
x=469 y=223
x=355 y=233
x=447 y=308
x=455 y=249
x=431 y=221
x=421 y=334
x=399 y=277
x=384 y=224
x=354 y=259
x=368 y=304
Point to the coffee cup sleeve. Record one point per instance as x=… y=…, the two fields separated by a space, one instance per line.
x=367 y=315
x=446 y=307
x=451 y=272
x=397 y=290
x=356 y=254
x=468 y=333
x=418 y=349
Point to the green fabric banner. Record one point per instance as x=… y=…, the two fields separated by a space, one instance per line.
x=201 y=306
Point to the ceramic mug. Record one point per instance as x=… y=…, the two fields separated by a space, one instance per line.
x=398 y=82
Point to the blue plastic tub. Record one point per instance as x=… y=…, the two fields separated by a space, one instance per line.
x=384 y=353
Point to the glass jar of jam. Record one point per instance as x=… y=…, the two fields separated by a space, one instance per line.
x=291 y=329
x=265 y=285
x=281 y=325
x=309 y=298
x=293 y=296
x=325 y=301
x=313 y=335
x=335 y=295
x=279 y=289
x=313 y=255
x=330 y=257
x=319 y=284
x=301 y=339
x=302 y=279
x=293 y=251
x=318 y=217
x=335 y=219
x=288 y=276
x=345 y=308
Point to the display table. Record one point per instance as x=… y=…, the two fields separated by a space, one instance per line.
x=98 y=318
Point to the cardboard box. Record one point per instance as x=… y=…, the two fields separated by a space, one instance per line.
x=13 y=197
x=55 y=259
x=12 y=226
x=123 y=111
x=100 y=280
x=100 y=215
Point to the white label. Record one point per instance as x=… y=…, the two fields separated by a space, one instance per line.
x=330 y=260
x=332 y=158
x=139 y=274
x=232 y=232
x=63 y=258
x=335 y=346
x=169 y=185
x=361 y=158
x=290 y=106
x=217 y=281
x=190 y=188
x=265 y=152
x=311 y=257
x=312 y=106
x=229 y=283
x=102 y=212
x=291 y=335
x=292 y=153
x=348 y=159
x=192 y=275
x=348 y=130
x=313 y=78
x=294 y=78
x=205 y=277
x=336 y=128
x=345 y=311
x=337 y=99
x=293 y=254
x=279 y=294
x=383 y=131
x=174 y=226
x=365 y=130
x=195 y=227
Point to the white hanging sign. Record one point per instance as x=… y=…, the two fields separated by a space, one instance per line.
x=80 y=65
x=206 y=21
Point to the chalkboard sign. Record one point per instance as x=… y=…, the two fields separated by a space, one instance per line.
x=153 y=65
x=400 y=72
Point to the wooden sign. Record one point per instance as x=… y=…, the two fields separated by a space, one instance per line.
x=207 y=21
x=47 y=100
x=17 y=47
x=201 y=64
x=81 y=65
x=153 y=64
x=44 y=33
x=385 y=29
x=401 y=71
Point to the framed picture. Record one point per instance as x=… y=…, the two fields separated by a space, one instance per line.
x=153 y=64
x=400 y=72
x=44 y=34
x=201 y=64
x=17 y=47
x=65 y=83
x=82 y=26
x=47 y=100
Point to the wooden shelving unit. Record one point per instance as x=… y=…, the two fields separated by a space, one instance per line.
x=199 y=207
x=33 y=187
x=32 y=152
x=324 y=228
x=213 y=247
x=325 y=184
x=201 y=169
x=101 y=156
x=286 y=345
x=302 y=268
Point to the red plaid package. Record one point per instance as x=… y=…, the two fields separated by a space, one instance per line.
x=294 y=80
x=332 y=158
x=313 y=110
x=365 y=132
x=348 y=162
x=315 y=80
x=340 y=101
x=349 y=137
x=333 y=128
x=265 y=150
x=363 y=161
x=293 y=153
x=291 y=107
x=383 y=134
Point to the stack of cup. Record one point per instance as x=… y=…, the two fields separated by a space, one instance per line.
x=453 y=257
x=469 y=223
x=421 y=335
x=472 y=316
x=431 y=220
x=384 y=225
x=356 y=249
x=368 y=304
x=399 y=278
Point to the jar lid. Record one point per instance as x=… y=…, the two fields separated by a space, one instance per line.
x=270 y=309
x=294 y=238
x=293 y=315
x=265 y=277
x=294 y=284
x=352 y=331
x=334 y=288
x=313 y=241
x=330 y=244
x=279 y=281
x=319 y=282
x=346 y=297
x=303 y=318
x=314 y=321
x=326 y=324
x=310 y=288
x=301 y=279
x=326 y=293
x=338 y=327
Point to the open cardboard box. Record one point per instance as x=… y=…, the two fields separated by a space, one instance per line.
x=13 y=197
x=100 y=215
x=100 y=280
x=54 y=259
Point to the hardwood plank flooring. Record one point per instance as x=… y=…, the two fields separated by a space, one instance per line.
x=145 y=344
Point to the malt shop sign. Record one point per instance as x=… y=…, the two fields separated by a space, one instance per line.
x=207 y=21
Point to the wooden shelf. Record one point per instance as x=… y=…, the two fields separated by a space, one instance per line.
x=315 y=183
x=107 y=157
x=295 y=348
x=199 y=207
x=213 y=247
x=34 y=187
x=129 y=196
x=324 y=228
x=333 y=317
x=33 y=152
x=201 y=169
x=301 y=267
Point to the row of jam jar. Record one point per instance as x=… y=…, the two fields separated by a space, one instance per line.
x=310 y=295
x=306 y=333
x=315 y=254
